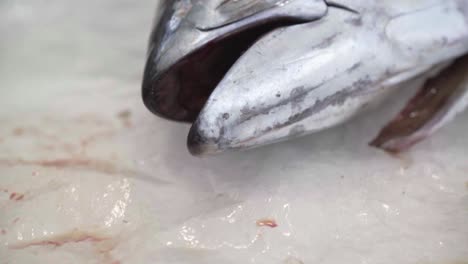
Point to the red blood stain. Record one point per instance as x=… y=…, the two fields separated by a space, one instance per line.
x=16 y=220
x=72 y=237
x=124 y=117
x=3 y=231
x=102 y=244
x=16 y=196
x=89 y=164
x=267 y=222
x=18 y=131
x=95 y=137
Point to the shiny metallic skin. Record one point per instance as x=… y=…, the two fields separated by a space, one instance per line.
x=254 y=72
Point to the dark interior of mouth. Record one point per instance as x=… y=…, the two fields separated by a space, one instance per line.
x=182 y=91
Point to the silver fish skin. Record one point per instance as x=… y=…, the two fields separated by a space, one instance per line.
x=307 y=74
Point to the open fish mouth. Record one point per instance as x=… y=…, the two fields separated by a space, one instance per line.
x=180 y=90
x=189 y=82
x=248 y=73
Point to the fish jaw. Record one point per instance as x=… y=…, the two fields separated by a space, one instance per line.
x=310 y=77
x=195 y=42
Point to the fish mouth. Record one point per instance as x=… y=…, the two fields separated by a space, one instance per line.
x=180 y=91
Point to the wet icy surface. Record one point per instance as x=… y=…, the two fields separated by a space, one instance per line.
x=88 y=175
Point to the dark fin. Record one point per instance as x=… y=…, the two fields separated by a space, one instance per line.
x=436 y=103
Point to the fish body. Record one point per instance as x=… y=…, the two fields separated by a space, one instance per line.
x=253 y=72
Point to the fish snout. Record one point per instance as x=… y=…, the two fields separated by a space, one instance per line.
x=293 y=81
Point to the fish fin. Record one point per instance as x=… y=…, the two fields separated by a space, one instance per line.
x=439 y=100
